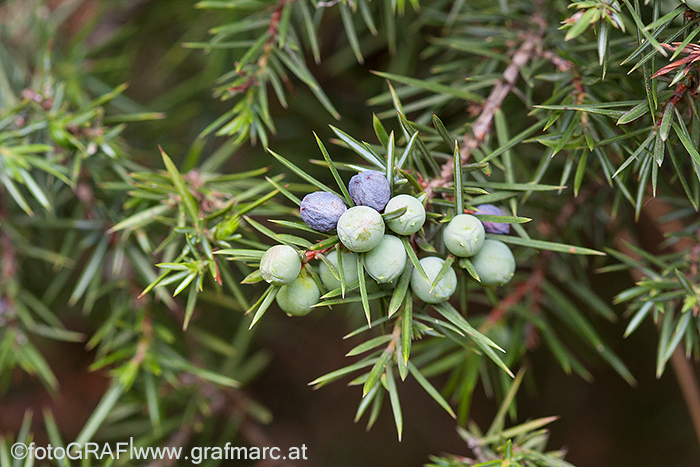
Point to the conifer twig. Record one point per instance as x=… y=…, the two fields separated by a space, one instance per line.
x=688 y=384
x=682 y=367
x=8 y=255
x=482 y=126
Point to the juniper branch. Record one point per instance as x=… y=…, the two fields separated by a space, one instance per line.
x=482 y=126
x=683 y=369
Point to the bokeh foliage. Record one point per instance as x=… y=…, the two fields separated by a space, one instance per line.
x=130 y=204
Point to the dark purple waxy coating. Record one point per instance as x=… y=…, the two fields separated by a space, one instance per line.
x=321 y=210
x=493 y=227
x=371 y=189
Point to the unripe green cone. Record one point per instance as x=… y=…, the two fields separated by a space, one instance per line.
x=360 y=228
x=410 y=221
x=494 y=263
x=693 y=4
x=349 y=269
x=443 y=290
x=386 y=261
x=297 y=298
x=464 y=235
x=280 y=265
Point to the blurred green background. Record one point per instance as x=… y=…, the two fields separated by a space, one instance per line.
x=603 y=424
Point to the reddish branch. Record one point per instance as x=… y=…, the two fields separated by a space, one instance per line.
x=654 y=209
x=8 y=258
x=532 y=286
x=273 y=31
x=483 y=124
x=693 y=51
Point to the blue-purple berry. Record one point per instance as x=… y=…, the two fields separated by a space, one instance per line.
x=493 y=227
x=321 y=210
x=371 y=189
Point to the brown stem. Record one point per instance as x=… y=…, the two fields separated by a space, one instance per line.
x=688 y=383
x=482 y=126
x=529 y=286
x=682 y=368
x=533 y=284
x=8 y=259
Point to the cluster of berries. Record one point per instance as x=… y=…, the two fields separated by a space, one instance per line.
x=281 y=266
x=465 y=236
x=362 y=229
